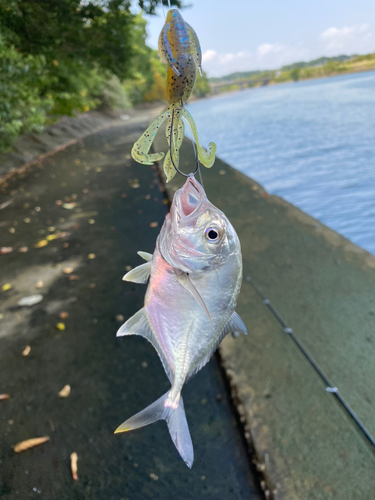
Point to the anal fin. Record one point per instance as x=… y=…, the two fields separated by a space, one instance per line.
x=139 y=325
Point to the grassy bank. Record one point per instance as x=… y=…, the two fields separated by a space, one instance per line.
x=320 y=68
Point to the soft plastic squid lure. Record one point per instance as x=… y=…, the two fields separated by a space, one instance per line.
x=179 y=48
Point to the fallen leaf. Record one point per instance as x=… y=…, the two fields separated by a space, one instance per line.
x=91 y=256
x=91 y=221
x=144 y=364
x=30 y=443
x=147 y=197
x=37 y=209
x=65 y=391
x=41 y=244
x=63 y=315
x=153 y=224
x=51 y=237
x=68 y=270
x=3 y=397
x=31 y=300
x=5 y=204
x=4 y=250
x=73 y=465
x=39 y=284
x=84 y=214
x=1 y=316
x=60 y=326
x=85 y=190
x=27 y=220
x=12 y=230
x=23 y=249
x=65 y=245
x=58 y=202
x=222 y=172
x=73 y=277
x=128 y=268
x=52 y=229
x=69 y=206
x=6 y=287
x=119 y=317
x=26 y=351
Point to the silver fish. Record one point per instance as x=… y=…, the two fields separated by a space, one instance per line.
x=195 y=277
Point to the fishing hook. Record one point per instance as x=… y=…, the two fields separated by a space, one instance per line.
x=171 y=146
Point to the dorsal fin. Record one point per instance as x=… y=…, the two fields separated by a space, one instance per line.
x=234 y=324
x=139 y=325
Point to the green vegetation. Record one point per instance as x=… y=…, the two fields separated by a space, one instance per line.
x=318 y=68
x=67 y=56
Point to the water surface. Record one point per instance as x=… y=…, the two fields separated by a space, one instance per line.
x=312 y=142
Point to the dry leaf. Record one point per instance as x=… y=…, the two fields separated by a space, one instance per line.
x=68 y=270
x=91 y=221
x=91 y=256
x=51 y=237
x=65 y=391
x=4 y=250
x=73 y=277
x=12 y=230
x=26 y=351
x=3 y=397
x=119 y=317
x=31 y=300
x=153 y=224
x=73 y=465
x=60 y=326
x=41 y=244
x=69 y=206
x=6 y=287
x=23 y=249
x=58 y=202
x=30 y=443
x=63 y=315
x=39 y=284
x=26 y=220
x=128 y=268
x=222 y=172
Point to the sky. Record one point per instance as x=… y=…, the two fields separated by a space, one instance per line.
x=245 y=35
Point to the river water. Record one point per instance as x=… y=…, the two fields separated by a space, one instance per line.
x=311 y=142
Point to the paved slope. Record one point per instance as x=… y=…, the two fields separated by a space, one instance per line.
x=111 y=379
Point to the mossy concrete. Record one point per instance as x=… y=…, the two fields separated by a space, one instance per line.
x=324 y=287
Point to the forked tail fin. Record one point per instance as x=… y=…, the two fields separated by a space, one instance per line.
x=176 y=421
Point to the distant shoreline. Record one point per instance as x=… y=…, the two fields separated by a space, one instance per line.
x=359 y=64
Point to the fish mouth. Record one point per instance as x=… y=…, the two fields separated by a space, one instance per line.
x=191 y=197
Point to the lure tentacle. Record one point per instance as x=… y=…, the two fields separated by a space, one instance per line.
x=140 y=150
x=207 y=158
x=176 y=136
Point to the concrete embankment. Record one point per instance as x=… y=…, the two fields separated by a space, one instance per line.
x=70 y=225
x=324 y=287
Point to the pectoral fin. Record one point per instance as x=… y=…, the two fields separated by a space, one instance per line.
x=139 y=274
x=185 y=281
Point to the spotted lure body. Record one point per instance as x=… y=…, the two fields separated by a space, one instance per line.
x=195 y=277
x=179 y=48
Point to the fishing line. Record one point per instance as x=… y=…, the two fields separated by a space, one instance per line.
x=329 y=385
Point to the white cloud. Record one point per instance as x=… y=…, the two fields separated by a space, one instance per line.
x=348 y=40
x=265 y=56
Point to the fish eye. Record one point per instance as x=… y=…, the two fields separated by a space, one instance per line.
x=213 y=234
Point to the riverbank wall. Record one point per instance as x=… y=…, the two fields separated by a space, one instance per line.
x=323 y=286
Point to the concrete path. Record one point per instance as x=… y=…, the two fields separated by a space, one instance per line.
x=69 y=227
x=324 y=287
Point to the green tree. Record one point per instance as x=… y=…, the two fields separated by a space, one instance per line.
x=202 y=86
